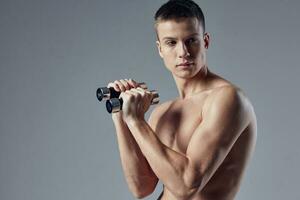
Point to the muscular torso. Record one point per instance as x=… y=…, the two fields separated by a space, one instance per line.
x=177 y=122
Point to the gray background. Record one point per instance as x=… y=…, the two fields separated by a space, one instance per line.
x=58 y=142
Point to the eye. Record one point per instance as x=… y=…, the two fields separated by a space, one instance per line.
x=192 y=40
x=170 y=42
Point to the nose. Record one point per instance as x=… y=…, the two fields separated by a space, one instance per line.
x=183 y=50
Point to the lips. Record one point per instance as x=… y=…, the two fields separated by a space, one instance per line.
x=185 y=64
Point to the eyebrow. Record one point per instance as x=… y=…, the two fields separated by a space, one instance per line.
x=172 y=38
x=169 y=38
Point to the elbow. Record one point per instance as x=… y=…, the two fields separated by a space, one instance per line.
x=139 y=195
x=142 y=193
x=186 y=193
x=144 y=188
x=191 y=185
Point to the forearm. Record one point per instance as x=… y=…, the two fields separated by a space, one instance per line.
x=135 y=166
x=171 y=167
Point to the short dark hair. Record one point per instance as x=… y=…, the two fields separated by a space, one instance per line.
x=176 y=9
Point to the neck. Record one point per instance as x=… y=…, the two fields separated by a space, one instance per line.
x=188 y=87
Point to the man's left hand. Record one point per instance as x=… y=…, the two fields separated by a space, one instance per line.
x=136 y=102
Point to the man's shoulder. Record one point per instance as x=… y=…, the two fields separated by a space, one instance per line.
x=228 y=94
x=224 y=90
x=221 y=91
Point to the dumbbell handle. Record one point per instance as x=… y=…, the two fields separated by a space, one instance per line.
x=115 y=104
x=105 y=93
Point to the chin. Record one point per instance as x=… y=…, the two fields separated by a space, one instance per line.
x=186 y=74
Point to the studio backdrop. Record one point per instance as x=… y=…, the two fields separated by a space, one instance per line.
x=58 y=142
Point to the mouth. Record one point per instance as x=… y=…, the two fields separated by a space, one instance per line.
x=185 y=64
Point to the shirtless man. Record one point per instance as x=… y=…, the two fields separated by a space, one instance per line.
x=197 y=145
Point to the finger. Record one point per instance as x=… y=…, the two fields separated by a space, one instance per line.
x=139 y=93
x=125 y=84
x=136 y=93
x=145 y=91
x=132 y=83
x=123 y=95
x=115 y=86
x=129 y=95
x=121 y=86
x=143 y=85
x=138 y=90
x=110 y=85
x=149 y=93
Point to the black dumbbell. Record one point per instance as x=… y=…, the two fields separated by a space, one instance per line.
x=115 y=104
x=104 y=93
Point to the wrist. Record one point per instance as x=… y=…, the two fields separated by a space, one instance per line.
x=134 y=121
x=117 y=117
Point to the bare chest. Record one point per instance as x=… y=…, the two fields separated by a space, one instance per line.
x=177 y=125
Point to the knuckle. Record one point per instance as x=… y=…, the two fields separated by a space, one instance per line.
x=127 y=85
x=130 y=97
x=133 y=82
x=138 y=95
x=116 y=82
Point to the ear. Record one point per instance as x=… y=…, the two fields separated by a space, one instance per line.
x=206 y=39
x=159 y=48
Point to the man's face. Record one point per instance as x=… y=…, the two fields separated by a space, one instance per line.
x=182 y=46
